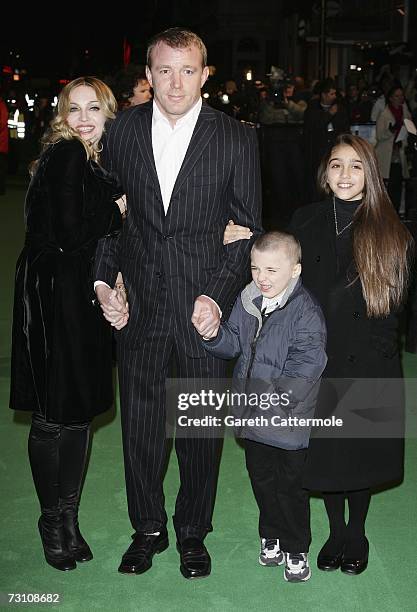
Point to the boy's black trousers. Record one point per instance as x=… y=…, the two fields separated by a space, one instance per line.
x=284 y=510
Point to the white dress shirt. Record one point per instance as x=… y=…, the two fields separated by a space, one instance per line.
x=270 y=304
x=170 y=145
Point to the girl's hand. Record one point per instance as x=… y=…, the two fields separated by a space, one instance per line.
x=233 y=233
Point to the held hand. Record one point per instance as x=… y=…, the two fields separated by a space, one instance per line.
x=206 y=317
x=122 y=299
x=333 y=109
x=233 y=233
x=122 y=204
x=211 y=335
x=115 y=310
x=122 y=322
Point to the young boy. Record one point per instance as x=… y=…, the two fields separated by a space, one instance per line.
x=277 y=331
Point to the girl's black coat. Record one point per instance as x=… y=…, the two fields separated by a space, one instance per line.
x=61 y=344
x=357 y=347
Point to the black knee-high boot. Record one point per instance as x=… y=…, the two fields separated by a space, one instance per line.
x=330 y=556
x=73 y=449
x=43 y=446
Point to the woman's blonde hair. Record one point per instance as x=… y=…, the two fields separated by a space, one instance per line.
x=59 y=128
x=382 y=246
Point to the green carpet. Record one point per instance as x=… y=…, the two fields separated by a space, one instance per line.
x=237 y=581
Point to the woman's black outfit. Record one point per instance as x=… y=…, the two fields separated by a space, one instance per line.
x=61 y=344
x=358 y=347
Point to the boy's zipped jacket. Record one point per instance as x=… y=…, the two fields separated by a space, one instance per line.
x=284 y=354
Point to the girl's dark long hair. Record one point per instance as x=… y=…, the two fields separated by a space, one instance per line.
x=382 y=246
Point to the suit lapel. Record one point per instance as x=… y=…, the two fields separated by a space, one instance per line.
x=143 y=130
x=203 y=132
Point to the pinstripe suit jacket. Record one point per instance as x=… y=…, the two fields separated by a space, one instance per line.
x=218 y=180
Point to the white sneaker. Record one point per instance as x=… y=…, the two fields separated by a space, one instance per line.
x=270 y=552
x=297 y=568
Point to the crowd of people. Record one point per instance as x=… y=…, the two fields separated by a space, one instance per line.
x=296 y=123
x=148 y=221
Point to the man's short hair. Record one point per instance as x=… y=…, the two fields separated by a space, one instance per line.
x=177 y=38
x=326 y=85
x=272 y=241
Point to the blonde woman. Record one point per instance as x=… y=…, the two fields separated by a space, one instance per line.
x=61 y=349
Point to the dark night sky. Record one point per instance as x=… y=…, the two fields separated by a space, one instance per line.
x=52 y=40
x=62 y=53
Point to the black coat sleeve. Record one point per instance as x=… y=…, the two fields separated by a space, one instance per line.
x=72 y=226
x=106 y=263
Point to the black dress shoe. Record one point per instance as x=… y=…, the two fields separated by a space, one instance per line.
x=195 y=560
x=331 y=554
x=355 y=566
x=138 y=557
x=329 y=563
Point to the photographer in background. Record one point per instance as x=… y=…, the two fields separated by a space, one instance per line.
x=324 y=119
x=280 y=106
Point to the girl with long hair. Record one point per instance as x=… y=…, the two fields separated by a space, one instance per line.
x=356 y=258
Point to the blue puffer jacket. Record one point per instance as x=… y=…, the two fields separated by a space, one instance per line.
x=284 y=355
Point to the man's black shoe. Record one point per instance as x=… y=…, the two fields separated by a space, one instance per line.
x=138 y=557
x=195 y=560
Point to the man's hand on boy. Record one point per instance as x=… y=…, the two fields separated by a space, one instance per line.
x=211 y=336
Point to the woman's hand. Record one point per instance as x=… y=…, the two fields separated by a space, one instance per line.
x=121 y=297
x=114 y=305
x=122 y=204
x=124 y=319
x=233 y=233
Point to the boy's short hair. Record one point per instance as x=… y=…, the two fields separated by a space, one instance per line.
x=272 y=241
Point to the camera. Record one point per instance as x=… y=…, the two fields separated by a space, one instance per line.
x=279 y=83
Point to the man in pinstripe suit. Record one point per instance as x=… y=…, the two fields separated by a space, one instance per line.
x=186 y=170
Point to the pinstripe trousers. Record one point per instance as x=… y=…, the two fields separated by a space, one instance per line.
x=142 y=377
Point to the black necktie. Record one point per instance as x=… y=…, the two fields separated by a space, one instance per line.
x=264 y=314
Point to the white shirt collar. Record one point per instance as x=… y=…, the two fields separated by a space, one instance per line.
x=189 y=117
x=270 y=304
